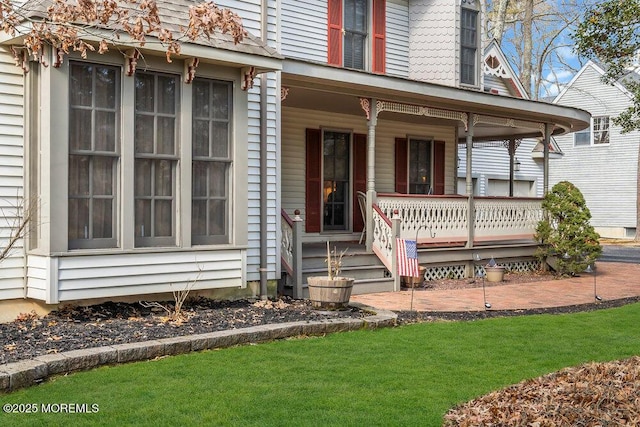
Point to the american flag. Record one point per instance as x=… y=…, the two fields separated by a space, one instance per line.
x=407 y=254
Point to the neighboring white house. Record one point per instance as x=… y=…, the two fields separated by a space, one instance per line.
x=148 y=176
x=600 y=160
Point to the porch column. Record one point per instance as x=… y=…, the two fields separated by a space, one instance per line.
x=371 y=171
x=547 y=140
x=470 y=213
x=512 y=154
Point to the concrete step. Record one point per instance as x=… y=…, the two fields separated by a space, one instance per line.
x=359 y=273
x=348 y=260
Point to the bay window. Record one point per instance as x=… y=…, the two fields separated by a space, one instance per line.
x=150 y=159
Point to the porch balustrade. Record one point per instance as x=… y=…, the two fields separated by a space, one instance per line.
x=438 y=220
x=432 y=218
x=443 y=219
x=383 y=237
x=506 y=218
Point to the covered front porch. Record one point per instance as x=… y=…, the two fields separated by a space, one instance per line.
x=447 y=247
x=368 y=158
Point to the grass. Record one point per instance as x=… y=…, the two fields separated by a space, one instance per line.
x=402 y=376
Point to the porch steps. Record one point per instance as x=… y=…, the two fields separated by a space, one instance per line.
x=368 y=271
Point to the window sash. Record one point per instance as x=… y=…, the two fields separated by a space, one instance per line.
x=468 y=45
x=356 y=28
x=94 y=115
x=597 y=134
x=211 y=161
x=420 y=166
x=156 y=158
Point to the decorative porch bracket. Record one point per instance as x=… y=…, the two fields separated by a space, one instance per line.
x=420 y=110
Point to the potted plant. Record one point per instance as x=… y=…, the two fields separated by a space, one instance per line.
x=495 y=272
x=332 y=291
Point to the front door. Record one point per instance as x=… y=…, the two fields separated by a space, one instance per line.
x=335 y=171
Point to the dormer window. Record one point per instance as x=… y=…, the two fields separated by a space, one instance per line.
x=469 y=42
x=356 y=34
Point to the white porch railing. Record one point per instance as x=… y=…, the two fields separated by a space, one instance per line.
x=432 y=218
x=508 y=218
x=291 y=250
x=383 y=238
x=444 y=219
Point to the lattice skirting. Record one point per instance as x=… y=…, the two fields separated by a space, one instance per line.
x=513 y=267
x=458 y=271
x=445 y=272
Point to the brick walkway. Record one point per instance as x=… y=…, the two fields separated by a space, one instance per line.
x=612 y=281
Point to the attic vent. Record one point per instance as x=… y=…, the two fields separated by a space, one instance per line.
x=492 y=62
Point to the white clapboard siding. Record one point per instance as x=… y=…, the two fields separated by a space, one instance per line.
x=11 y=174
x=432 y=41
x=253 y=181
x=605 y=174
x=397 y=49
x=303 y=29
x=295 y=121
x=492 y=164
x=104 y=276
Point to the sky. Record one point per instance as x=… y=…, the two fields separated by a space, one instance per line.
x=562 y=63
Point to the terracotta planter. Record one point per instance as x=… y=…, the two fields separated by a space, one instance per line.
x=494 y=274
x=329 y=293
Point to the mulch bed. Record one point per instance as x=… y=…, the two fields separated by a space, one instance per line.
x=73 y=328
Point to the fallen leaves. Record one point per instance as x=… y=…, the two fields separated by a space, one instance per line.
x=594 y=394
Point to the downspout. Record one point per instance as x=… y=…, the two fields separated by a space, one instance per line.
x=263 y=161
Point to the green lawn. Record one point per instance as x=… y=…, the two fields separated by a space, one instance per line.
x=402 y=376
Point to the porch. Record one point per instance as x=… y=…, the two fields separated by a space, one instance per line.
x=503 y=229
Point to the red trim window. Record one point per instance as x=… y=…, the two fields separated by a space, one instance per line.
x=352 y=37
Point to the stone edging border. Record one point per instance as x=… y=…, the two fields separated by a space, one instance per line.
x=26 y=373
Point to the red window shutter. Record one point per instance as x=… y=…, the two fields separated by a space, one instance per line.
x=313 y=186
x=379 y=36
x=334 y=32
x=402 y=174
x=438 y=167
x=359 y=176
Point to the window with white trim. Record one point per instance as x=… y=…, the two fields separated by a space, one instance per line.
x=94 y=110
x=596 y=134
x=211 y=154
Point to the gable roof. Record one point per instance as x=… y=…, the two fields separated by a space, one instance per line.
x=600 y=70
x=496 y=64
x=554 y=149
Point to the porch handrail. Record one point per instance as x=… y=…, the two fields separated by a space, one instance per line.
x=286 y=242
x=432 y=218
x=291 y=249
x=383 y=238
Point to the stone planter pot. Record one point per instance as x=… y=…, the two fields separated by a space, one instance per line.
x=494 y=274
x=329 y=293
